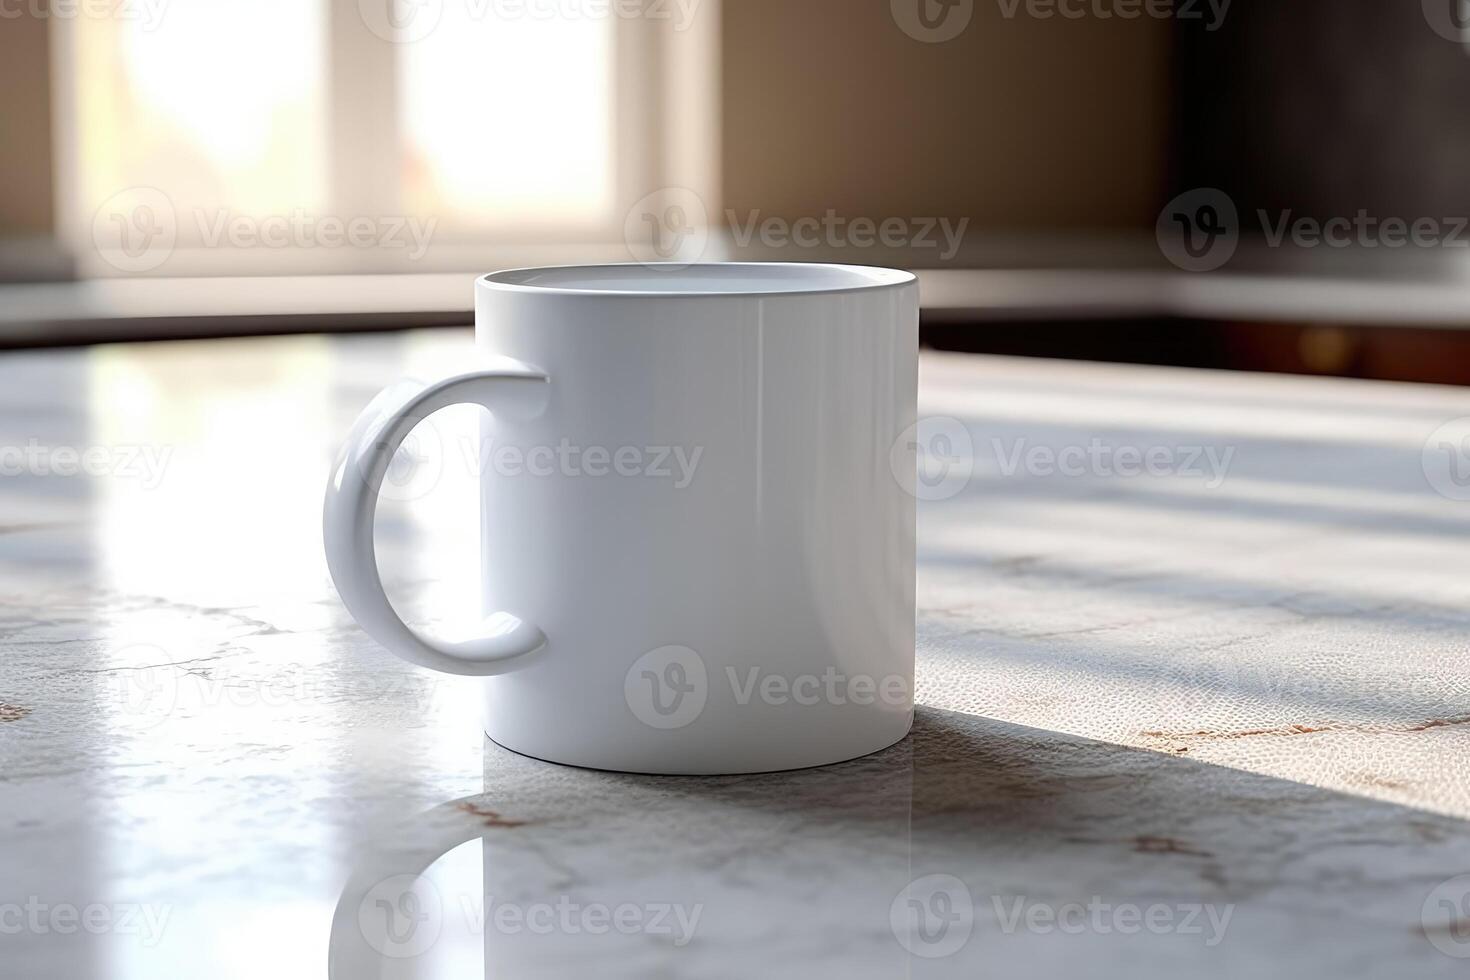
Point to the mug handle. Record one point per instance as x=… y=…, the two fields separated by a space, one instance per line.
x=351 y=502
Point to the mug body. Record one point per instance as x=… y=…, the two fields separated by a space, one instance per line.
x=705 y=515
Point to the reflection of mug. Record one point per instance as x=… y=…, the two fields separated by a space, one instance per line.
x=690 y=516
x=478 y=886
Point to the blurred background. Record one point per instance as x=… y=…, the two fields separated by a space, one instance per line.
x=1224 y=183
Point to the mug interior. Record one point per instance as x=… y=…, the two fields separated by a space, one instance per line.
x=717 y=279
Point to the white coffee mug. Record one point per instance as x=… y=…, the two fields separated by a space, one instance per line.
x=704 y=559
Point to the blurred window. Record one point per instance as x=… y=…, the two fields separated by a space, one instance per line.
x=508 y=123
x=207 y=122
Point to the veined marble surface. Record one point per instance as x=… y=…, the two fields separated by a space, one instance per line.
x=1205 y=720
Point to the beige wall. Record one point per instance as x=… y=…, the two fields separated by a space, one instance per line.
x=1018 y=123
x=25 y=128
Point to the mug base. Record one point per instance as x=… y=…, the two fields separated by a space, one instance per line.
x=753 y=767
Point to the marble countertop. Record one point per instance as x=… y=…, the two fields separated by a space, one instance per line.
x=1192 y=668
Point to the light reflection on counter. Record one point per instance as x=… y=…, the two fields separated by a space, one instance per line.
x=223 y=656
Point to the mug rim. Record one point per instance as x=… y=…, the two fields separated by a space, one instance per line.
x=861 y=279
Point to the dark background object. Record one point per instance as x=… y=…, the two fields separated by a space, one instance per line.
x=1440 y=356
x=1323 y=107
